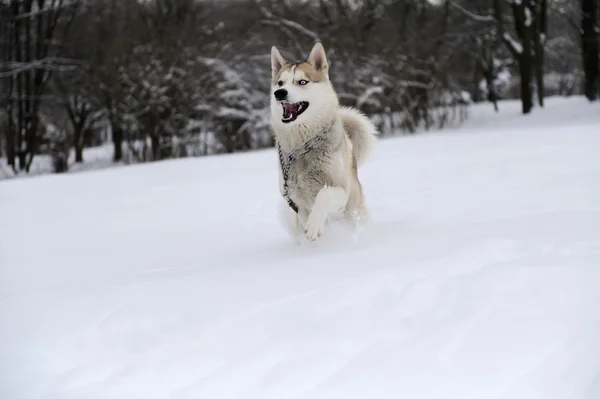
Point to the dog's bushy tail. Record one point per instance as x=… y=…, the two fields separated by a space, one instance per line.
x=361 y=131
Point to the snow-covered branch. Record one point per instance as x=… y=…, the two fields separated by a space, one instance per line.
x=511 y=44
x=471 y=15
x=54 y=7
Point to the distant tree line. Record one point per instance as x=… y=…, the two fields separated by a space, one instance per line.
x=162 y=79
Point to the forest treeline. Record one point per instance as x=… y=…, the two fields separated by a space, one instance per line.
x=160 y=79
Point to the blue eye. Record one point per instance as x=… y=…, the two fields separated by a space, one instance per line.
x=303 y=82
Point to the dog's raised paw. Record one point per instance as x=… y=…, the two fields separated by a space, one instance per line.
x=314 y=229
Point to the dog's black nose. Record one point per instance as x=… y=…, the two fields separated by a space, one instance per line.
x=280 y=94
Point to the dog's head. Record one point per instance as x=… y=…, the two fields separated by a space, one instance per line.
x=301 y=91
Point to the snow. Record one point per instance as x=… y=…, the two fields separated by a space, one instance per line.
x=367 y=94
x=94 y=158
x=528 y=17
x=515 y=44
x=478 y=276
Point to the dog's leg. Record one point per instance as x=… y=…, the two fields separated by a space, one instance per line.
x=328 y=200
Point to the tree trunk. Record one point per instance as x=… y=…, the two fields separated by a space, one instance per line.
x=589 y=48
x=523 y=53
x=10 y=83
x=488 y=71
x=22 y=160
x=539 y=32
x=32 y=139
x=79 y=154
x=78 y=144
x=526 y=70
x=526 y=90
x=18 y=88
x=117 y=134
x=539 y=70
x=28 y=84
x=155 y=143
x=492 y=96
x=10 y=138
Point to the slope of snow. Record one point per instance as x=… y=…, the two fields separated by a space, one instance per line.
x=478 y=277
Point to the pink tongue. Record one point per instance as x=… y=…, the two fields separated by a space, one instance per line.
x=289 y=109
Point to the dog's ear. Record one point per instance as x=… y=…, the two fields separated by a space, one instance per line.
x=317 y=59
x=277 y=61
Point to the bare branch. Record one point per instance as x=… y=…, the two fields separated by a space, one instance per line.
x=475 y=17
x=48 y=63
x=290 y=24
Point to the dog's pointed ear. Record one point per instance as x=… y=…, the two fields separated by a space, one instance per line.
x=317 y=58
x=277 y=61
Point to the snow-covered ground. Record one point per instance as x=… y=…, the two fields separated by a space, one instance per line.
x=478 y=277
x=94 y=158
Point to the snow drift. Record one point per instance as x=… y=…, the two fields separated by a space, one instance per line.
x=479 y=276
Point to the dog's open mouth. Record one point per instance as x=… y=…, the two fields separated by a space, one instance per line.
x=292 y=110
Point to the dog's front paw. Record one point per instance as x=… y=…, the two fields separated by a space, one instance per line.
x=315 y=226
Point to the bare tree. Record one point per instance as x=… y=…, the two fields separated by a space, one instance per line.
x=6 y=82
x=482 y=43
x=174 y=78
x=529 y=17
x=539 y=11
x=37 y=29
x=589 y=48
x=521 y=50
x=83 y=109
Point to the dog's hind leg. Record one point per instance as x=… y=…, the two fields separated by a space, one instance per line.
x=329 y=200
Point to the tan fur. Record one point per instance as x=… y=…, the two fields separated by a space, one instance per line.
x=311 y=73
x=324 y=184
x=306 y=72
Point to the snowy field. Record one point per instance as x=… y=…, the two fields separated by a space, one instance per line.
x=478 y=277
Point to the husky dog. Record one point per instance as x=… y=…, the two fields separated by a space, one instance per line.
x=320 y=144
